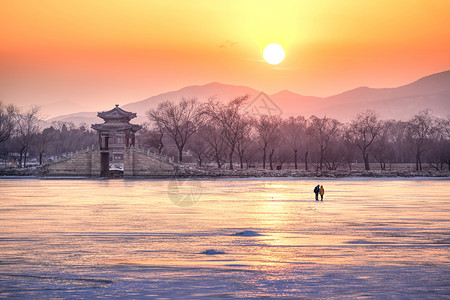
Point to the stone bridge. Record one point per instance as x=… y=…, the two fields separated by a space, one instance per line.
x=116 y=146
x=136 y=162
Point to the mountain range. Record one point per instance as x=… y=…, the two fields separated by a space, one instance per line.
x=400 y=103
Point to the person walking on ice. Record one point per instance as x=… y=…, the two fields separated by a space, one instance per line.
x=316 y=191
x=321 y=192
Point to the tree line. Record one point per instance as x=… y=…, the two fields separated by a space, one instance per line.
x=225 y=134
x=21 y=136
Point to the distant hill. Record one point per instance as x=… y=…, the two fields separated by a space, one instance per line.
x=60 y=108
x=223 y=92
x=401 y=103
x=78 y=118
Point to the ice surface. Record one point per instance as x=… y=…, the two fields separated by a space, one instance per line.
x=378 y=239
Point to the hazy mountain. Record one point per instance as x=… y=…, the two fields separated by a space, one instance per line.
x=223 y=92
x=293 y=104
x=52 y=110
x=432 y=92
x=204 y=92
x=401 y=103
x=78 y=118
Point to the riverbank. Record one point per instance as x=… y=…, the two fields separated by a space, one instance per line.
x=258 y=173
x=239 y=173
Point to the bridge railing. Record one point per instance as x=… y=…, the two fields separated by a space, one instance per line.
x=147 y=152
x=66 y=156
x=152 y=154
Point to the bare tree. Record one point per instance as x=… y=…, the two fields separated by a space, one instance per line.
x=335 y=153
x=199 y=146
x=44 y=140
x=231 y=119
x=274 y=145
x=422 y=127
x=398 y=134
x=446 y=136
x=439 y=155
x=153 y=137
x=251 y=153
x=7 y=113
x=384 y=145
x=308 y=143
x=27 y=127
x=294 y=131
x=213 y=135
x=283 y=153
x=348 y=148
x=363 y=131
x=322 y=131
x=180 y=121
x=268 y=129
x=244 y=139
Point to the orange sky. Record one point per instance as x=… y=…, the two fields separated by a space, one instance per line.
x=98 y=53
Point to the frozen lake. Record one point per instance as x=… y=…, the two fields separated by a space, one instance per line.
x=250 y=238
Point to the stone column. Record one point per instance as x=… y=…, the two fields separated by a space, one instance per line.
x=95 y=163
x=128 y=163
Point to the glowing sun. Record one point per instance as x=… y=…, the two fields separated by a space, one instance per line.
x=273 y=54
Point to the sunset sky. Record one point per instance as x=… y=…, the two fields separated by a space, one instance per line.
x=99 y=53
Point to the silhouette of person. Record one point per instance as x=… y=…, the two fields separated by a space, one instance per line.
x=316 y=191
x=321 y=192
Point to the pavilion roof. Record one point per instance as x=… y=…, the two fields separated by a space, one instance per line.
x=116 y=113
x=116 y=126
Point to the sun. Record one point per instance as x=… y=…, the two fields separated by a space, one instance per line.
x=273 y=54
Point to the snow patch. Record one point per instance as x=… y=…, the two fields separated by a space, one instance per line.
x=247 y=233
x=360 y=241
x=212 y=252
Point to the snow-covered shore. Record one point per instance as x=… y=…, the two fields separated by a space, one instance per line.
x=308 y=174
x=257 y=173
